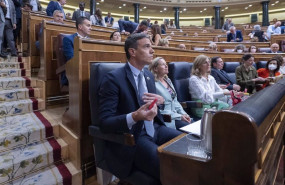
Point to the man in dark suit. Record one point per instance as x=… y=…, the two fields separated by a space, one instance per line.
x=234 y=35
x=122 y=110
x=57 y=18
x=109 y=20
x=55 y=5
x=129 y=27
x=274 y=48
x=83 y=26
x=221 y=77
x=80 y=13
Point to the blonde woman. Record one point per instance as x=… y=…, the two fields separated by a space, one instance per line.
x=163 y=42
x=203 y=87
x=164 y=88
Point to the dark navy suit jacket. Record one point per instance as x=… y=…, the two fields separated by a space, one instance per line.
x=52 y=6
x=111 y=20
x=68 y=46
x=272 y=52
x=222 y=78
x=128 y=26
x=230 y=36
x=118 y=96
x=68 y=52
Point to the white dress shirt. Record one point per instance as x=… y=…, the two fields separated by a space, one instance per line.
x=34 y=4
x=282 y=70
x=8 y=9
x=272 y=30
x=205 y=90
x=136 y=72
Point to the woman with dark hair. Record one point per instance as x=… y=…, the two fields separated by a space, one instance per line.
x=240 y=48
x=115 y=36
x=246 y=74
x=171 y=24
x=270 y=71
x=97 y=18
x=164 y=87
x=252 y=49
x=156 y=34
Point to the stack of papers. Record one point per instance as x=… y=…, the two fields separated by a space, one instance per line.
x=193 y=128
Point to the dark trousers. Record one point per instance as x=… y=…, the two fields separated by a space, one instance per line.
x=180 y=123
x=17 y=30
x=9 y=36
x=146 y=157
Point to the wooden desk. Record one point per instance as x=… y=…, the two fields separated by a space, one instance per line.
x=48 y=47
x=248 y=146
x=28 y=32
x=277 y=38
x=220 y=45
x=77 y=118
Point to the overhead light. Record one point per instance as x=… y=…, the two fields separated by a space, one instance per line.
x=226 y=8
x=120 y=7
x=276 y=2
x=144 y=7
x=184 y=9
x=223 y=10
x=201 y=11
x=205 y=8
x=272 y=4
x=250 y=5
x=124 y=4
x=246 y=8
x=102 y=0
x=180 y=11
x=140 y=10
x=97 y=3
x=164 y=9
x=160 y=10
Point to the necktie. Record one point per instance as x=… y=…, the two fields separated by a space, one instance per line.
x=141 y=90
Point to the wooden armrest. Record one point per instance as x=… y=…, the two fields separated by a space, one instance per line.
x=191 y=104
x=124 y=138
x=60 y=69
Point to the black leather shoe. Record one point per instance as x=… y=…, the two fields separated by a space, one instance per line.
x=3 y=56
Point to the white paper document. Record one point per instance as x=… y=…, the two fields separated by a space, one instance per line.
x=193 y=128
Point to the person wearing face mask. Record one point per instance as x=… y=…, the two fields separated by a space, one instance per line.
x=252 y=49
x=270 y=72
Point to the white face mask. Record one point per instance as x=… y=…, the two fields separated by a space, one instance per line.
x=253 y=50
x=272 y=67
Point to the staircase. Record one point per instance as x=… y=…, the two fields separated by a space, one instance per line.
x=30 y=151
